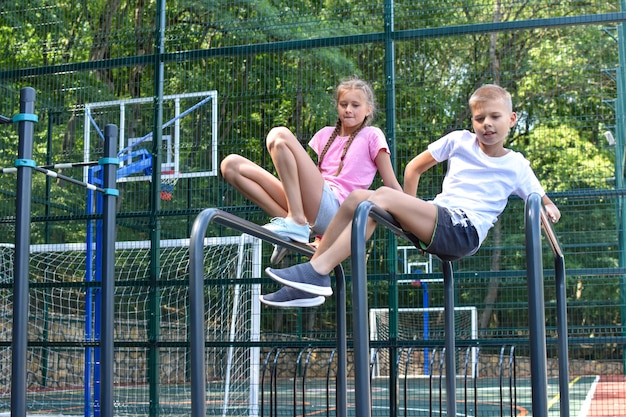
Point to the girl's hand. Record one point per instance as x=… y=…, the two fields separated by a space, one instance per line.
x=315 y=243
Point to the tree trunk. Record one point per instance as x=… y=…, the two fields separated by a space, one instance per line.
x=496 y=232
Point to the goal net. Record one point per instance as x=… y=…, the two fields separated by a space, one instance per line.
x=422 y=324
x=151 y=327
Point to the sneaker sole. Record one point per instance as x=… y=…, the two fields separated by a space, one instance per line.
x=295 y=238
x=308 y=302
x=312 y=289
x=280 y=255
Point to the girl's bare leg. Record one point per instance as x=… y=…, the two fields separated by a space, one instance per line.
x=301 y=180
x=256 y=184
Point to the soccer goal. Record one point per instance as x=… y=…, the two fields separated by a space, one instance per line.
x=64 y=326
x=420 y=324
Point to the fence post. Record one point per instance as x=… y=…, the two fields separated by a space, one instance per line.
x=107 y=249
x=24 y=165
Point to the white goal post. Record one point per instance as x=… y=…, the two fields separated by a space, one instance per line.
x=420 y=324
x=64 y=309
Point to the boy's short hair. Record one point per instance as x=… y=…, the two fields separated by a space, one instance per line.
x=490 y=92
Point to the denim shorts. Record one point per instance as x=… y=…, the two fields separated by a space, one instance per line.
x=328 y=208
x=454 y=237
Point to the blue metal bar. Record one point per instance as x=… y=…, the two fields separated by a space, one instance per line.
x=196 y=304
x=89 y=297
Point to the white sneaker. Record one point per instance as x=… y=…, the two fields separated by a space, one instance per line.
x=287 y=228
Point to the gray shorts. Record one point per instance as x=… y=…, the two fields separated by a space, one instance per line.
x=328 y=208
x=454 y=237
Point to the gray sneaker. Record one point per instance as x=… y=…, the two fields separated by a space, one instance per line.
x=302 y=277
x=278 y=254
x=290 y=297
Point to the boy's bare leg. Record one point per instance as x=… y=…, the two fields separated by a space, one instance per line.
x=413 y=215
x=334 y=246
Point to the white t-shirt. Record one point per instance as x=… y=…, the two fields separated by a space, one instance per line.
x=478 y=184
x=359 y=167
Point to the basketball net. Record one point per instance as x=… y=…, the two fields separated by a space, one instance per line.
x=167 y=185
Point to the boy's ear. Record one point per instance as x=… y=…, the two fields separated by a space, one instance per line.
x=513 y=119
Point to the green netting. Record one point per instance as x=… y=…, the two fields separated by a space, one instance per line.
x=271 y=63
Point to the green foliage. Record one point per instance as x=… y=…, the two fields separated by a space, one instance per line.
x=277 y=63
x=566 y=161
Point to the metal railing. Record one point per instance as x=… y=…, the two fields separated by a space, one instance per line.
x=535 y=219
x=196 y=304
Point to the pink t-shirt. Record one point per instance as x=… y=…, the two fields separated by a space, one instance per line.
x=359 y=167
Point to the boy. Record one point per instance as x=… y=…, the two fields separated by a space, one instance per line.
x=481 y=176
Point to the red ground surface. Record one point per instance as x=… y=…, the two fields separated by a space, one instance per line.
x=609 y=399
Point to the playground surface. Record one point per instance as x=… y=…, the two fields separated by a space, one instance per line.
x=590 y=396
x=609 y=397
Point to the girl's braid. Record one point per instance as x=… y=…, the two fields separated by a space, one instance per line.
x=331 y=139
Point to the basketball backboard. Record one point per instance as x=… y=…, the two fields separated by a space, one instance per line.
x=189 y=135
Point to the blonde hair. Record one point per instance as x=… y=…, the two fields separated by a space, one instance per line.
x=490 y=92
x=349 y=84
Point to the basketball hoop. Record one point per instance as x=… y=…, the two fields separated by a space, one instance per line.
x=167 y=185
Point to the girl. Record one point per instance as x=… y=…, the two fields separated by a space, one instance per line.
x=306 y=195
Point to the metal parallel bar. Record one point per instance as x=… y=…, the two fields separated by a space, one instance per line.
x=536 y=316
x=561 y=306
x=362 y=394
x=550 y=234
x=450 y=337
x=196 y=301
x=561 y=300
x=360 y=310
x=563 y=349
x=535 y=218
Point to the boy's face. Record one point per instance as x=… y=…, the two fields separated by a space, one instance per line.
x=491 y=121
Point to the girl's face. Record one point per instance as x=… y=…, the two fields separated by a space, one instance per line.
x=352 y=107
